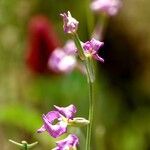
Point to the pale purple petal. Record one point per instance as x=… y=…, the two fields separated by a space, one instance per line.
x=70 y=47
x=70 y=23
x=71 y=141
x=55 y=130
x=87 y=46
x=96 y=45
x=68 y=112
x=98 y=58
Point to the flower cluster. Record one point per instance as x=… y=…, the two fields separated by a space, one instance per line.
x=110 y=7
x=56 y=122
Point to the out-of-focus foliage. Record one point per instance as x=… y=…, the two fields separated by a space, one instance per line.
x=122 y=95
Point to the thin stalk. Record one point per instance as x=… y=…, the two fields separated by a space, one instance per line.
x=25 y=145
x=91 y=110
x=91 y=78
x=79 y=46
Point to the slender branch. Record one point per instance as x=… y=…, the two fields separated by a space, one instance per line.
x=91 y=109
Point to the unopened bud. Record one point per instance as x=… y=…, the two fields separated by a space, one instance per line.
x=79 y=122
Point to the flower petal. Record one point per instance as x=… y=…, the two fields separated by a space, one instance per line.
x=70 y=47
x=98 y=58
x=54 y=130
x=61 y=62
x=68 y=112
x=52 y=115
x=96 y=44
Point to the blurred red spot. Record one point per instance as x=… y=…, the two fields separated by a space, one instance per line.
x=42 y=40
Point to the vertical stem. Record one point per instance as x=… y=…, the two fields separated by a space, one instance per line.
x=91 y=109
x=91 y=78
x=25 y=147
x=79 y=46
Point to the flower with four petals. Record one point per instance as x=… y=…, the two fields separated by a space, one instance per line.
x=56 y=122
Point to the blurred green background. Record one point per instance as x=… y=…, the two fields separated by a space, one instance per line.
x=122 y=90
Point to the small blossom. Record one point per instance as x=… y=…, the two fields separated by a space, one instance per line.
x=109 y=7
x=55 y=130
x=70 y=23
x=69 y=143
x=61 y=62
x=55 y=122
x=91 y=49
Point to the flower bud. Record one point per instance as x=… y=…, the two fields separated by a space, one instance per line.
x=70 y=23
x=78 y=122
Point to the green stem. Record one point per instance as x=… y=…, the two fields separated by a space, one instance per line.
x=79 y=46
x=91 y=110
x=91 y=78
x=25 y=145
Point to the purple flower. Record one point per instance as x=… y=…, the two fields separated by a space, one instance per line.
x=91 y=49
x=54 y=129
x=55 y=122
x=61 y=62
x=69 y=143
x=109 y=7
x=70 y=23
